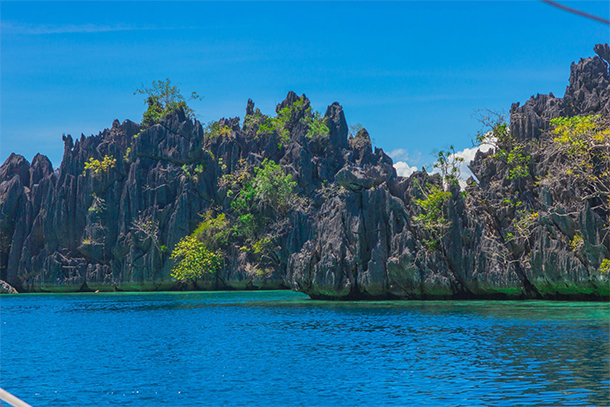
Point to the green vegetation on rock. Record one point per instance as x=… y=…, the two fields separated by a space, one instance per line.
x=317 y=126
x=433 y=217
x=272 y=186
x=98 y=205
x=604 y=267
x=97 y=167
x=279 y=125
x=433 y=205
x=576 y=243
x=448 y=163
x=215 y=130
x=194 y=259
x=507 y=148
x=584 y=141
x=194 y=173
x=255 y=192
x=163 y=98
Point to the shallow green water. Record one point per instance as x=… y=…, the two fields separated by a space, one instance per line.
x=280 y=348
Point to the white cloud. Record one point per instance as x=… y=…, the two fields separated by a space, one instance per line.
x=468 y=155
x=403 y=169
x=44 y=29
x=402 y=156
x=399 y=154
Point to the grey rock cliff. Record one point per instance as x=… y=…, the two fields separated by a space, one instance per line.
x=353 y=235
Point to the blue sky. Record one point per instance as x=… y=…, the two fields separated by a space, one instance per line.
x=412 y=73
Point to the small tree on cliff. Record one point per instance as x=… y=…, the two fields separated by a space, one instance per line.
x=580 y=156
x=433 y=205
x=448 y=163
x=163 y=98
x=495 y=133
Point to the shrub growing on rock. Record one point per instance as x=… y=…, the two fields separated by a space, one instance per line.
x=97 y=167
x=163 y=98
x=194 y=259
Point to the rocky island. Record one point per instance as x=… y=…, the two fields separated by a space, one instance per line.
x=297 y=201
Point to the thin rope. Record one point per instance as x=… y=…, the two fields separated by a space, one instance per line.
x=577 y=12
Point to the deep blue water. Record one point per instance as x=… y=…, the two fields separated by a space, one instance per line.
x=280 y=348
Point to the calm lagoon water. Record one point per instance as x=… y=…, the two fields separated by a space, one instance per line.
x=281 y=348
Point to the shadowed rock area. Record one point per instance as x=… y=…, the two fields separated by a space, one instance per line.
x=353 y=234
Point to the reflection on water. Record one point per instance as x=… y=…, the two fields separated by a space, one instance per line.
x=280 y=348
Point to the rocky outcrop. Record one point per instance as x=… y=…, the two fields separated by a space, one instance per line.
x=354 y=233
x=588 y=92
x=6 y=288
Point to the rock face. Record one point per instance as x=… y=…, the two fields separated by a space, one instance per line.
x=354 y=235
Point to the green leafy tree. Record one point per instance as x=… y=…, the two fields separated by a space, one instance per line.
x=253 y=121
x=201 y=252
x=317 y=126
x=494 y=129
x=262 y=245
x=97 y=167
x=496 y=133
x=98 y=204
x=214 y=231
x=268 y=188
x=214 y=130
x=163 y=98
x=432 y=216
x=448 y=163
x=279 y=125
x=272 y=186
x=576 y=243
x=604 y=267
x=585 y=143
x=580 y=149
x=435 y=196
x=194 y=259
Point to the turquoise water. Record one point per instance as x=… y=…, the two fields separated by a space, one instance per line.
x=280 y=348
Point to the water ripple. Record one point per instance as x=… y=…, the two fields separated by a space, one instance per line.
x=279 y=348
